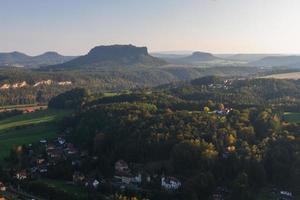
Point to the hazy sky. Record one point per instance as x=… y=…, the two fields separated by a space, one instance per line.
x=221 y=26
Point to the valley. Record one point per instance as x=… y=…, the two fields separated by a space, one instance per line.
x=72 y=130
x=73 y=147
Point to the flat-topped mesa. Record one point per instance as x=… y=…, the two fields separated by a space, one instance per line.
x=114 y=56
x=123 y=54
x=202 y=56
x=117 y=51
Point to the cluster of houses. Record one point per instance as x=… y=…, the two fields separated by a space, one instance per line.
x=50 y=153
x=224 y=111
x=285 y=195
x=125 y=177
x=41 y=161
x=225 y=85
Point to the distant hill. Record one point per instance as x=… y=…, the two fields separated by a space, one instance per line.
x=18 y=59
x=249 y=57
x=13 y=58
x=195 y=58
x=115 y=56
x=277 y=61
x=168 y=56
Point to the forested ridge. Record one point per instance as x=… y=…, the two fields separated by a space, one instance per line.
x=95 y=80
x=218 y=136
x=171 y=132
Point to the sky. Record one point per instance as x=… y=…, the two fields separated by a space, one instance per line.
x=73 y=27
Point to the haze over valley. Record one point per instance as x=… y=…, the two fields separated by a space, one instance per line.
x=150 y=100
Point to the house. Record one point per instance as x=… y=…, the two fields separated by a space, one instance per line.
x=78 y=177
x=95 y=183
x=29 y=110
x=137 y=179
x=170 y=183
x=61 y=141
x=40 y=161
x=124 y=177
x=121 y=166
x=128 y=178
x=285 y=195
x=225 y=111
x=43 y=170
x=2 y=187
x=43 y=141
x=21 y=175
x=70 y=149
x=56 y=153
x=50 y=147
x=230 y=149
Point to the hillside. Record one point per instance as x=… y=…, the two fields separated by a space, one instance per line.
x=175 y=136
x=115 y=56
x=195 y=58
x=18 y=59
x=278 y=61
x=241 y=93
x=250 y=57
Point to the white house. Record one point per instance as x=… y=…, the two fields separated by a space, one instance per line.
x=286 y=194
x=21 y=175
x=95 y=183
x=170 y=183
x=61 y=141
x=2 y=187
x=128 y=178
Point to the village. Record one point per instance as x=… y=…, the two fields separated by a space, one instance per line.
x=46 y=155
x=42 y=158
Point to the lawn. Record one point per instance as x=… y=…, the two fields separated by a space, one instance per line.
x=292 y=116
x=25 y=136
x=28 y=128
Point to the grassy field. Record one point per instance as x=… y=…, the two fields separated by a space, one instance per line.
x=292 y=117
x=28 y=128
x=291 y=75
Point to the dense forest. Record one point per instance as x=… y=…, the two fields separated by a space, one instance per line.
x=217 y=135
x=176 y=133
x=39 y=86
x=240 y=93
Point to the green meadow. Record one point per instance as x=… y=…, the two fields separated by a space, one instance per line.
x=292 y=117
x=28 y=128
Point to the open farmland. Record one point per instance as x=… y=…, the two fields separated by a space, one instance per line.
x=291 y=75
